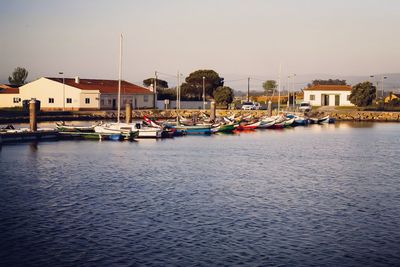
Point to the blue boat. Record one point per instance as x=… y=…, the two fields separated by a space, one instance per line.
x=194 y=129
x=300 y=121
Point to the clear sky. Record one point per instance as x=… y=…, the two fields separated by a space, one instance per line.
x=247 y=37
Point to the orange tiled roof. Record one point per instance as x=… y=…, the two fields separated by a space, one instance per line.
x=329 y=88
x=104 y=86
x=5 y=89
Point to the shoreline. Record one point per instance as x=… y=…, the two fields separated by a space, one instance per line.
x=370 y=116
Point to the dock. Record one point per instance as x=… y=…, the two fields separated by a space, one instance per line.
x=12 y=137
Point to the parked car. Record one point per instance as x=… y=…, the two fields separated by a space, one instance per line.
x=305 y=106
x=251 y=106
x=247 y=105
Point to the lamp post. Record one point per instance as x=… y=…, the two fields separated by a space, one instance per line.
x=377 y=86
x=62 y=73
x=294 y=104
x=383 y=78
x=288 y=92
x=204 y=93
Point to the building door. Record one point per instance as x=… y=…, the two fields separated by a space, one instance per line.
x=337 y=100
x=114 y=103
x=324 y=100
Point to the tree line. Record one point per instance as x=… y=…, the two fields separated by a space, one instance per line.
x=192 y=87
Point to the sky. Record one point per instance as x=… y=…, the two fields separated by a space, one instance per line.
x=236 y=38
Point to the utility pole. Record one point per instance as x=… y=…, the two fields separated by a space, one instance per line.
x=248 y=89
x=177 y=91
x=155 y=90
x=279 y=87
x=204 y=93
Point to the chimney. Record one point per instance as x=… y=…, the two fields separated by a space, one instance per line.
x=77 y=79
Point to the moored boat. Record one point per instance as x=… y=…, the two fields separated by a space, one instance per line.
x=194 y=129
x=323 y=120
x=250 y=126
x=62 y=127
x=224 y=128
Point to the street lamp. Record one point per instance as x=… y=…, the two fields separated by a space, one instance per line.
x=383 y=78
x=62 y=73
x=294 y=104
x=377 y=86
x=204 y=93
x=288 y=92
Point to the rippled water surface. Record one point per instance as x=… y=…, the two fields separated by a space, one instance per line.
x=320 y=195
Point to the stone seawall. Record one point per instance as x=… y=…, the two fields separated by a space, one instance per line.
x=364 y=115
x=338 y=115
x=168 y=114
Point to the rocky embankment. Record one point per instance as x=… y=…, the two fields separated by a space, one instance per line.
x=338 y=115
x=168 y=114
x=362 y=115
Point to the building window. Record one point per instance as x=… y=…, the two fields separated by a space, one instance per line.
x=17 y=99
x=87 y=100
x=51 y=100
x=145 y=98
x=69 y=100
x=312 y=97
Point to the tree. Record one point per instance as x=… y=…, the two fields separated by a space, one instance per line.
x=166 y=93
x=223 y=95
x=161 y=84
x=192 y=88
x=18 y=76
x=328 y=82
x=362 y=94
x=269 y=86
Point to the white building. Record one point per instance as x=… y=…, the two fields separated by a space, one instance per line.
x=85 y=94
x=9 y=97
x=328 y=95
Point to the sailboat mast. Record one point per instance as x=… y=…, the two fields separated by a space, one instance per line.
x=119 y=78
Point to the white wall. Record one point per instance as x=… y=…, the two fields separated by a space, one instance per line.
x=142 y=101
x=7 y=100
x=318 y=97
x=43 y=89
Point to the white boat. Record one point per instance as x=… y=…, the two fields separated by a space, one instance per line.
x=142 y=131
x=266 y=124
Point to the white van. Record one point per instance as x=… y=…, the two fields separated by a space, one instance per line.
x=305 y=106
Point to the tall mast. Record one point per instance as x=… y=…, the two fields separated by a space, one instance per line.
x=119 y=78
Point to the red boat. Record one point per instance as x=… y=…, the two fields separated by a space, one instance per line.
x=244 y=127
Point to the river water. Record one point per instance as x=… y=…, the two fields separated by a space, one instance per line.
x=309 y=196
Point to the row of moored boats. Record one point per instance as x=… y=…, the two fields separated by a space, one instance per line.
x=182 y=126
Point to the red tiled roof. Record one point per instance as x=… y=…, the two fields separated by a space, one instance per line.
x=5 y=89
x=329 y=88
x=104 y=86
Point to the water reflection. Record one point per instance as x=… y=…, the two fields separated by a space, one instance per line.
x=323 y=195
